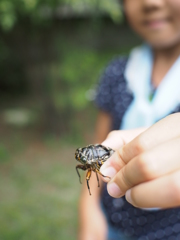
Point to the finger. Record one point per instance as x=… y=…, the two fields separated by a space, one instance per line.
x=152 y=164
x=160 y=132
x=163 y=192
x=164 y=130
x=117 y=139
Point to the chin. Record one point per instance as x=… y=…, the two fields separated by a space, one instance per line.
x=163 y=43
x=162 y=39
x=160 y=45
x=163 y=46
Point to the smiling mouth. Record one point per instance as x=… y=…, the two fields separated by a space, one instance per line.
x=155 y=24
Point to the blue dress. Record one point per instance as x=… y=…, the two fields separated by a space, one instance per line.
x=126 y=221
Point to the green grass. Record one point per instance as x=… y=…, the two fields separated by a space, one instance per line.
x=39 y=192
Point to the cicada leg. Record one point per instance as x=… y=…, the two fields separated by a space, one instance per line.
x=97 y=179
x=88 y=176
x=102 y=174
x=82 y=167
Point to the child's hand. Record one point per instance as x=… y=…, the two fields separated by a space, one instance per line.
x=147 y=169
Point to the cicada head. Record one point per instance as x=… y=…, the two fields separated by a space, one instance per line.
x=80 y=157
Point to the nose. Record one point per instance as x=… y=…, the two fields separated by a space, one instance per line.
x=149 y=5
x=149 y=2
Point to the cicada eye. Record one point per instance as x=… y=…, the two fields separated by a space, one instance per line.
x=83 y=159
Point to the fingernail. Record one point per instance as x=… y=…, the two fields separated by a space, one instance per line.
x=128 y=196
x=114 y=190
x=109 y=172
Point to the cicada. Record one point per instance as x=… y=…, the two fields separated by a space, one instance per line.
x=92 y=158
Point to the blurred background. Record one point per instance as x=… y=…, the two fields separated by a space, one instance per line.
x=52 y=53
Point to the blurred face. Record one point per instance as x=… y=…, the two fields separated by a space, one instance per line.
x=156 y=21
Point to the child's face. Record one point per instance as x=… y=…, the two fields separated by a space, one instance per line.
x=156 y=21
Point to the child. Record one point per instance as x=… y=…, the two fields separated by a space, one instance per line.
x=136 y=92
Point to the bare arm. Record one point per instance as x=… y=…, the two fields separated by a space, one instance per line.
x=92 y=221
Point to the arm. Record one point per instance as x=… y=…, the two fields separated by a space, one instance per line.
x=92 y=223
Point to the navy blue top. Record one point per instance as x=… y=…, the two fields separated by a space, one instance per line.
x=113 y=97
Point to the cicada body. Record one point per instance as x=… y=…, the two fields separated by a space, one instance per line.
x=92 y=158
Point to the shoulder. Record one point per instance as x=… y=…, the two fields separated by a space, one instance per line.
x=116 y=66
x=112 y=76
x=113 y=73
x=112 y=86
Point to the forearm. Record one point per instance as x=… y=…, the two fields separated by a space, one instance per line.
x=92 y=222
x=87 y=201
x=102 y=128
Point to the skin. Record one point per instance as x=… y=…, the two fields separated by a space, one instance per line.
x=158 y=23
x=155 y=20
x=147 y=169
x=92 y=222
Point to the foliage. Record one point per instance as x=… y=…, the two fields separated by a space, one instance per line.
x=39 y=10
x=4 y=154
x=61 y=74
x=72 y=80
x=71 y=85
x=78 y=72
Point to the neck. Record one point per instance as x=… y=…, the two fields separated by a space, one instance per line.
x=168 y=54
x=163 y=61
